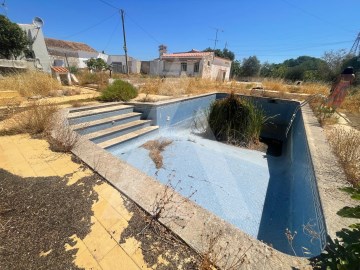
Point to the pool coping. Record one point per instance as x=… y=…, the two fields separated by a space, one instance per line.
x=142 y=189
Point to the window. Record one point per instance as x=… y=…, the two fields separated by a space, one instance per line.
x=209 y=63
x=196 y=67
x=183 y=66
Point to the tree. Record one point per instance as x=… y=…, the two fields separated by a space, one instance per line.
x=250 y=67
x=97 y=64
x=13 y=39
x=225 y=53
x=235 y=69
x=334 y=61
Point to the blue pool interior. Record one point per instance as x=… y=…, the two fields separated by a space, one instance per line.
x=262 y=194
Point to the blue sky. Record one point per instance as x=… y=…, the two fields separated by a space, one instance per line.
x=273 y=30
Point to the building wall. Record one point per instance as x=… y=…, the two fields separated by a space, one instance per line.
x=85 y=56
x=134 y=65
x=43 y=60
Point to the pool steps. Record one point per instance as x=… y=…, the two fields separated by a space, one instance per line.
x=110 y=124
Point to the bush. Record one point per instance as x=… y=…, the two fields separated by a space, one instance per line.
x=119 y=91
x=35 y=120
x=236 y=120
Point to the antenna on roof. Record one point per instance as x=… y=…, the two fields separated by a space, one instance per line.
x=216 y=36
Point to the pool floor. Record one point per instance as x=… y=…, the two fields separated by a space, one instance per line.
x=229 y=181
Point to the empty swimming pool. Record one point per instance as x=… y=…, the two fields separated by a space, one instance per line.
x=261 y=193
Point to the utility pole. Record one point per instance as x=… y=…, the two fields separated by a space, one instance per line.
x=125 y=48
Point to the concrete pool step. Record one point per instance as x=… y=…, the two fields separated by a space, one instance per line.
x=128 y=136
x=95 y=106
x=98 y=113
x=115 y=132
x=108 y=122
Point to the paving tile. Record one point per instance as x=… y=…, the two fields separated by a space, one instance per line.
x=105 y=213
x=87 y=261
x=99 y=246
x=118 y=259
x=79 y=245
x=117 y=229
x=138 y=258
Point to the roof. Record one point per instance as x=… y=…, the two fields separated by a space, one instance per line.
x=68 y=45
x=191 y=54
x=60 y=69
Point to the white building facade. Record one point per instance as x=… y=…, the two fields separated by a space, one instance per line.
x=191 y=64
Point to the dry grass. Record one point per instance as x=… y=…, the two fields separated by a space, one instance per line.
x=30 y=83
x=100 y=79
x=306 y=88
x=352 y=103
x=155 y=148
x=189 y=86
x=36 y=119
x=346 y=146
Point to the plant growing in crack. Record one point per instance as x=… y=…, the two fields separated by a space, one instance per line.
x=168 y=204
x=222 y=255
x=290 y=238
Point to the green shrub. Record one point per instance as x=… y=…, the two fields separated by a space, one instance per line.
x=119 y=91
x=236 y=120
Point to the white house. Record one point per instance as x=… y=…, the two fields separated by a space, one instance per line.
x=118 y=64
x=192 y=63
x=71 y=53
x=41 y=57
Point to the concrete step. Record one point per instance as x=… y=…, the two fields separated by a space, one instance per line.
x=108 y=122
x=95 y=106
x=114 y=132
x=98 y=113
x=127 y=137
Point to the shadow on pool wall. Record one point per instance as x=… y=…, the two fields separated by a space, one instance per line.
x=292 y=199
x=293 y=193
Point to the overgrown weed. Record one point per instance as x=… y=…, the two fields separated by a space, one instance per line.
x=346 y=146
x=30 y=83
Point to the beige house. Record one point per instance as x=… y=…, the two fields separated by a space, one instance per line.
x=75 y=54
x=192 y=64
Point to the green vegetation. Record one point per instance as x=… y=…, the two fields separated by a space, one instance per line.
x=236 y=120
x=97 y=64
x=13 y=39
x=119 y=91
x=343 y=253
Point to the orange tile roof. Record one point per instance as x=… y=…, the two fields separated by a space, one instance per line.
x=191 y=54
x=60 y=69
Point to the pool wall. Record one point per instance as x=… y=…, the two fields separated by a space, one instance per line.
x=292 y=200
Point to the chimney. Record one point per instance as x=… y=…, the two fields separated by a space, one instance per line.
x=162 y=50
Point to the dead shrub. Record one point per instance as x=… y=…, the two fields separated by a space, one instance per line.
x=35 y=120
x=346 y=146
x=155 y=148
x=61 y=137
x=30 y=83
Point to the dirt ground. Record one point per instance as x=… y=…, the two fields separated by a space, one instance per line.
x=39 y=216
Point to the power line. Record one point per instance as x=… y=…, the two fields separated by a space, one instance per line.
x=112 y=35
x=144 y=30
x=109 y=4
x=90 y=27
x=300 y=48
x=315 y=16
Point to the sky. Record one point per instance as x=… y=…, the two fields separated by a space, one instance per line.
x=273 y=30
